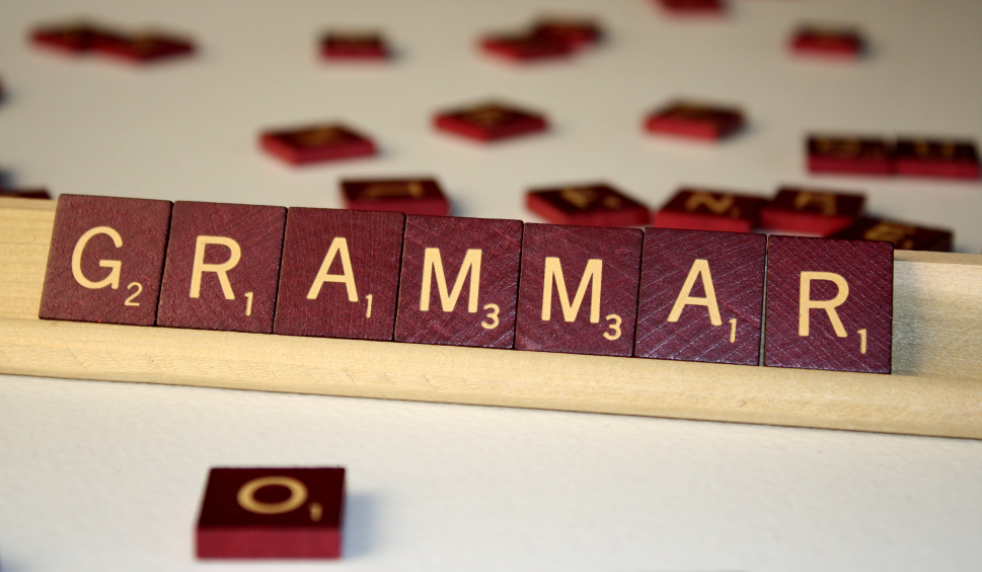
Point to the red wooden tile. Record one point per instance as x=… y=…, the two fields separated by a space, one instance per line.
x=71 y=38
x=105 y=261
x=586 y=205
x=693 y=7
x=702 y=296
x=25 y=193
x=843 y=43
x=271 y=513
x=575 y=32
x=903 y=236
x=459 y=281
x=579 y=289
x=317 y=143
x=357 y=46
x=340 y=274
x=144 y=47
x=526 y=46
x=813 y=211
x=222 y=267
x=702 y=209
x=490 y=122
x=849 y=155
x=409 y=196
x=937 y=158
x=695 y=121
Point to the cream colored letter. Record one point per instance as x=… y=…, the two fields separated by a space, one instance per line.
x=113 y=278
x=700 y=269
x=221 y=270
x=433 y=264
x=554 y=274
x=338 y=246
x=719 y=205
x=806 y=304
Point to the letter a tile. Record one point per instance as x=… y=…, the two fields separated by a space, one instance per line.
x=829 y=304
x=222 y=267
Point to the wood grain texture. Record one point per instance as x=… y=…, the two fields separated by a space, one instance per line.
x=703 y=209
x=816 y=211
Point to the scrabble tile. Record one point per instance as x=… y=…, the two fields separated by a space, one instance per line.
x=693 y=7
x=317 y=143
x=579 y=289
x=849 y=155
x=903 y=236
x=410 y=196
x=340 y=274
x=835 y=42
x=574 y=31
x=144 y=47
x=695 y=121
x=703 y=209
x=354 y=46
x=459 y=281
x=222 y=267
x=490 y=122
x=271 y=513
x=586 y=205
x=937 y=158
x=702 y=296
x=526 y=46
x=25 y=193
x=829 y=304
x=105 y=261
x=813 y=211
x=70 y=38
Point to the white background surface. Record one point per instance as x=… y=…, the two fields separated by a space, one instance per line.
x=108 y=476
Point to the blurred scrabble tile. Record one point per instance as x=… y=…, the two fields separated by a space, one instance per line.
x=340 y=274
x=579 y=289
x=271 y=513
x=903 y=236
x=490 y=122
x=576 y=32
x=695 y=121
x=143 y=47
x=354 y=46
x=849 y=155
x=812 y=211
x=222 y=267
x=587 y=205
x=702 y=296
x=829 y=304
x=71 y=38
x=25 y=194
x=459 y=283
x=937 y=158
x=317 y=143
x=409 y=196
x=693 y=7
x=526 y=46
x=824 y=41
x=105 y=260
x=703 y=209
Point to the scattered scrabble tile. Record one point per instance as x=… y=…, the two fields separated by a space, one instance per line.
x=25 y=194
x=701 y=209
x=903 y=236
x=222 y=267
x=144 y=47
x=579 y=289
x=829 y=304
x=693 y=7
x=357 y=46
x=71 y=38
x=490 y=122
x=105 y=261
x=937 y=158
x=702 y=296
x=340 y=274
x=409 y=196
x=587 y=205
x=317 y=143
x=526 y=46
x=849 y=155
x=842 y=43
x=575 y=32
x=271 y=513
x=813 y=211
x=695 y=121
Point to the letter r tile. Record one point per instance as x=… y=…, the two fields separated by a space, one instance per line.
x=222 y=267
x=829 y=304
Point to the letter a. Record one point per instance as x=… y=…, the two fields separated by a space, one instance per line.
x=338 y=246
x=806 y=304
x=700 y=269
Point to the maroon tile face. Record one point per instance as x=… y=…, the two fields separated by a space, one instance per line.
x=340 y=274
x=903 y=236
x=579 y=289
x=459 y=283
x=105 y=261
x=354 y=46
x=828 y=42
x=849 y=155
x=143 y=48
x=575 y=32
x=25 y=194
x=316 y=144
x=526 y=46
x=586 y=205
x=937 y=158
x=409 y=196
x=271 y=513
x=222 y=267
x=490 y=122
x=696 y=7
x=72 y=38
x=696 y=121
x=829 y=304
x=813 y=211
x=702 y=296
x=703 y=209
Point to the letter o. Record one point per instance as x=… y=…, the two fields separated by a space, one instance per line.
x=247 y=495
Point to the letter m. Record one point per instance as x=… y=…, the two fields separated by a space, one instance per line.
x=591 y=279
x=433 y=266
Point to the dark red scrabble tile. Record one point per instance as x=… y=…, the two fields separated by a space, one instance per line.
x=317 y=143
x=702 y=296
x=222 y=267
x=937 y=158
x=587 y=205
x=340 y=274
x=70 y=38
x=409 y=196
x=903 y=236
x=849 y=155
x=579 y=289
x=143 y=48
x=702 y=209
x=271 y=513
x=813 y=211
x=354 y=46
x=693 y=7
x=829 y=304
x=105 y=261
x=459 y=281
x=490 y=122
x=695 y=121
x=575 y=32
x=25 y=193
x=834 y=42
x=526 y=46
